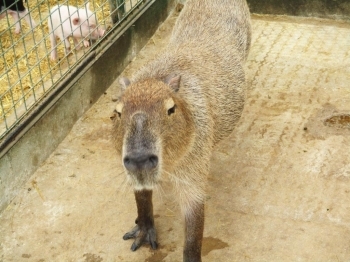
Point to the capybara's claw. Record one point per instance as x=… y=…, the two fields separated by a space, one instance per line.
x=132 y=234
x=144 y=235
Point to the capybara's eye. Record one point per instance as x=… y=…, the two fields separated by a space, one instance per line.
x=171 y=110
x=118 y=109
x=118 y=113
x=170 y=106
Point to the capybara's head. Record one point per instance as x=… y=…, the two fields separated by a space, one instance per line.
x=153 y=129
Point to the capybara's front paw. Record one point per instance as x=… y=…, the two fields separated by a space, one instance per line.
x=145 y=234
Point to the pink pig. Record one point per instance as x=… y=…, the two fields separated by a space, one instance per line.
x=68 y=21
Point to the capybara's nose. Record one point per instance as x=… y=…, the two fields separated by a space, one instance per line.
x=140 y=162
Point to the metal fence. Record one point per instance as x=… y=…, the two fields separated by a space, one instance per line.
x=30 y=66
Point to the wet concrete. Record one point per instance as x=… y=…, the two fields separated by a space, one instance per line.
x=278 y=188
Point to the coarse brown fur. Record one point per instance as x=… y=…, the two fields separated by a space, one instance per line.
x=177 y=107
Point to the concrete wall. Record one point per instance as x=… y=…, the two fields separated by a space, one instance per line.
x=25 y=149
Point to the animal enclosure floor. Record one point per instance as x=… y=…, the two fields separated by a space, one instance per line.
x=279 y=186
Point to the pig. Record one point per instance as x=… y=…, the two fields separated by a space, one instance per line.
x=68 y=21
x=17 y=10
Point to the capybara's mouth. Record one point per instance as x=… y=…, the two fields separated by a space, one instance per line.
x=143 y=180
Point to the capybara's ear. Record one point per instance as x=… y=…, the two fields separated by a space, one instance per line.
x=124 y=83
x=173 y=81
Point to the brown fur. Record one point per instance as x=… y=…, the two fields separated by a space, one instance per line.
x=200 y=77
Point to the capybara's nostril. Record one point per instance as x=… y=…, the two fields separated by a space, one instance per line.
x=127 y=161
x=140 y=162
x=153 y=159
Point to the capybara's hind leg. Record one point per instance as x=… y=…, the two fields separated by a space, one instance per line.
x=144 y=231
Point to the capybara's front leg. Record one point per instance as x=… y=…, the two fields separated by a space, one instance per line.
x=144 y=231
x=194 y=225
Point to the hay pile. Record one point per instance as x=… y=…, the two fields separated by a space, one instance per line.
x=25 y=66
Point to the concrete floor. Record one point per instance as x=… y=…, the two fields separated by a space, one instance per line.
x=279 y=188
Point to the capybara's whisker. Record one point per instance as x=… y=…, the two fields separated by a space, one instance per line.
x=124 y=187
x=159 y=189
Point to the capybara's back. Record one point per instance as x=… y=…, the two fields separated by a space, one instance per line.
x=214 y=25
x=209 y=45
x=177 y=107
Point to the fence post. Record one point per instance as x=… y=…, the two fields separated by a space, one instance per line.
x=117 y=8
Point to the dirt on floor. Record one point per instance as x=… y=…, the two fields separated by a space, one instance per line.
x=279 y=186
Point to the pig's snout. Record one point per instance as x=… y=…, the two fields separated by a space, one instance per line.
x=140 y=162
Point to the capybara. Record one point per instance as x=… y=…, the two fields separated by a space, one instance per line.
x=177 y=107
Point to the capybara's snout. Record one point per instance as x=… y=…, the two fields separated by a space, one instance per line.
x=140 y=161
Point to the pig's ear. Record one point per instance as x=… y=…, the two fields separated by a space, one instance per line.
x=173 y=81
x=124 y=83
x=75 y=21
